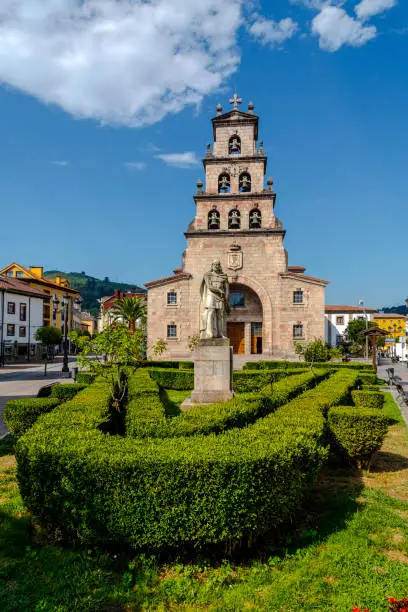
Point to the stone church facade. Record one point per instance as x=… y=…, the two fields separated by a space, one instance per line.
x=273 y=305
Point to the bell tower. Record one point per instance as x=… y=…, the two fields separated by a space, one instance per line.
x=234 y=197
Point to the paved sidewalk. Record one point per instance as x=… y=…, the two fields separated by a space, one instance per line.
x=27 y=382
x=400 y=369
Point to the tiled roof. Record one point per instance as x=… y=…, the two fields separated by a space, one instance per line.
x=168 y=279
x=304 y=277
x=389 y=315
x=14 y=285
x=329 y=308
x=33 y=277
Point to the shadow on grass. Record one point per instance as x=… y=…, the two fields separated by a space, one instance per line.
x=7 y=445
x=171 y=407
x=388 y=462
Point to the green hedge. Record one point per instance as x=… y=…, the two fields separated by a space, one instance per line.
x=186 y=365
x=279 y=365
x=19 y=415
x=166 y=492
x=370 y=388
x=368 y=399
x=85 y=378
x=182 y=380
x=66 y=391
x=146 y=415
x=368 y=379
x=359 y=432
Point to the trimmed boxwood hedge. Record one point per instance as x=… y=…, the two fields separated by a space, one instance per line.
x=365 y=378
x=66 y=391
x=181 y=380
x=368 y=399
x=20 y=414
x=86 y=378
x=173 y=491
x=278 y=365
x=146 y=414
x=359 y=432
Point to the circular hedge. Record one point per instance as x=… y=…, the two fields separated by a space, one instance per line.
x=157 y=492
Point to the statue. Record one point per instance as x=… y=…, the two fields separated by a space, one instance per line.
x=215 y=302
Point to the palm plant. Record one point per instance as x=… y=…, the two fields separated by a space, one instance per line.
x=129 y=310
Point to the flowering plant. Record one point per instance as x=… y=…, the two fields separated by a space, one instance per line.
x=356 y=609
x=398 y=605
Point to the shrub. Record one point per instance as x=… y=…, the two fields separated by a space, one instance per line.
x=182 y=380
x=368 y=399
x=359 y=432
x=370 y=388
x=46 y=390
x=277 y=365
x=244 y=381
x=316 y=351
x=145 y=413
x=159 y=364
x=19 y=415
x=186 y=365
x=66 y=391
x=367 y=379
x=166 y=492
x=334 y=391
x=86 y=378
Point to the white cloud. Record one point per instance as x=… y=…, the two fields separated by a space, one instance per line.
x=336 y=28
x=269 y=32
x=59 y=163
x=368 y=8
x=180 y=160
x=126 y=62
x=135 y=165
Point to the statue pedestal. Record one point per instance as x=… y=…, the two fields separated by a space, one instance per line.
x=212 y=373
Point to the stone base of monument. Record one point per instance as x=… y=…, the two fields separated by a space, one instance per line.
x=212 y=373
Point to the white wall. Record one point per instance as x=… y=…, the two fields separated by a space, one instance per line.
x=34 y=317
x=338 y=329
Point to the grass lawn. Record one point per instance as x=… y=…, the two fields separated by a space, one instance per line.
x=349 y=547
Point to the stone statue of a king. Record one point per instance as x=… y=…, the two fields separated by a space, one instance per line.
x=215 y=303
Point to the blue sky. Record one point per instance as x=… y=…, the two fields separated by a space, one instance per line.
x=103 y=101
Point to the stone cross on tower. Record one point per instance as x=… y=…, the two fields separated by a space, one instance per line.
x=235 y=100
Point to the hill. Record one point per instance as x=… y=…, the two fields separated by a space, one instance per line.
x=397 y=309
x=91 y=288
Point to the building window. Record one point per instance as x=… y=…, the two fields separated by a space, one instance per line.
x=234 y=145
x=340 y=320
x=213 y=220
x=237 y=299
x=244 y=182
x=11 y=308
x=298 y=296
x=11 y=329
x=298 y=331
x=224 y=183
x=9 y=273
x=22 y=331
x=255 y=219
x=172 y=331
x=171 y=298
x=23 y=312
x=339 y=339
x=234 y=219
x=19 y=274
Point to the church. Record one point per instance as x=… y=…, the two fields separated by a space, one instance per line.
x=272 y=305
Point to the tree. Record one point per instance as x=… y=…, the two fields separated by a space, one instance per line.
x=159 y=348
x=354 y=336
x=109 y=353
x=316 y=351
x=130 y=310
x=48 y=335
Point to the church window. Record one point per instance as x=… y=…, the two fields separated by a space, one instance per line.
x=237 y=299
x=255 y=219
x=224 y=183
x=298 y=331
x=213 y=220
x=171 y=298
x=298 y=296
x=172 y=331
x=234 y=145
x=244 y=182
x=234 y=219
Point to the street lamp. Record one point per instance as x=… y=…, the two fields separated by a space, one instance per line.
x=361 y=302
x=65 y=303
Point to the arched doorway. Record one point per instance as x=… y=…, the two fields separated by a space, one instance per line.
x=245 y=321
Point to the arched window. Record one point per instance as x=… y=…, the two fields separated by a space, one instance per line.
x=244 y=182
x=255 y=219
x=234 y=145
x=224 y=183
x=234 y=219
x=213 y=220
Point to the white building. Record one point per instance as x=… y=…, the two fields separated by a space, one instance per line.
x=338 y=317
x=21 y=314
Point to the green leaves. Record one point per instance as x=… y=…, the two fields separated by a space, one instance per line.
x=20 y=415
